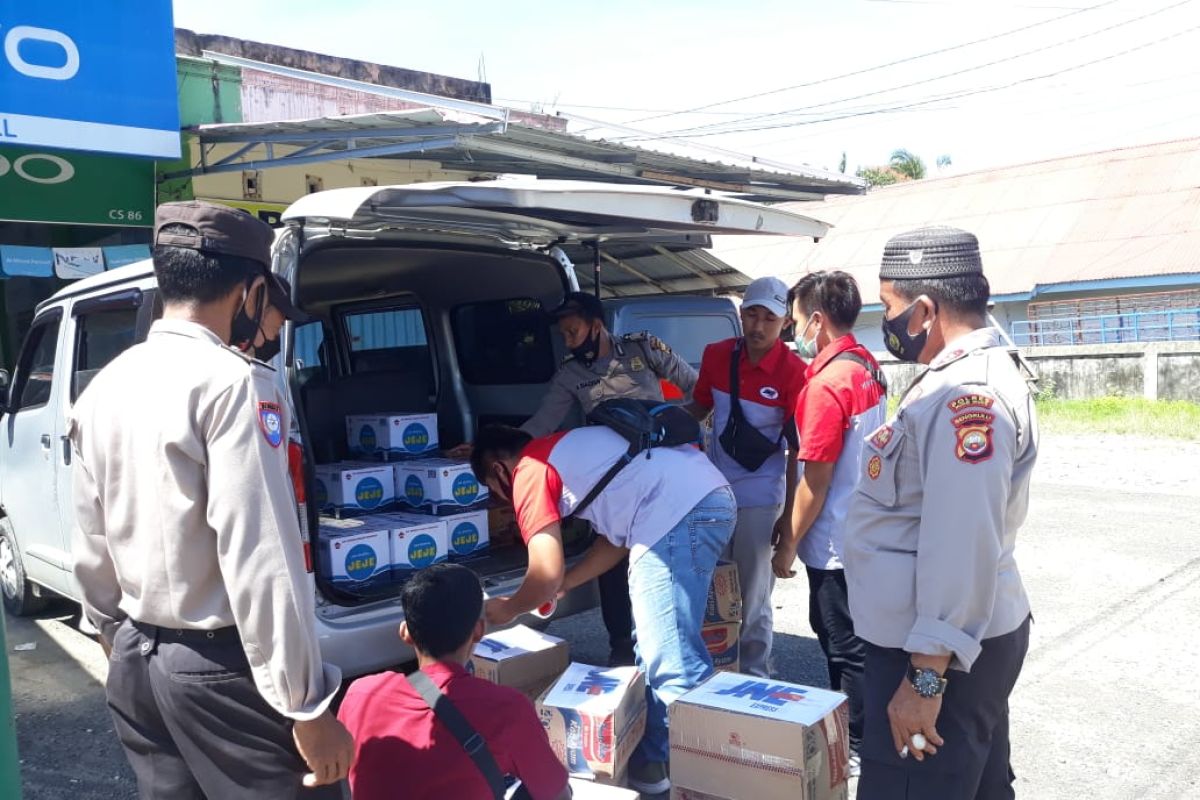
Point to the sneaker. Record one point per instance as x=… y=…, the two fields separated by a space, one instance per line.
x=649 y=777
x=855 y=765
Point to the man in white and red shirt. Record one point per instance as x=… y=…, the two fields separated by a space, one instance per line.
x=668 y=509
x=769 y=381
x=843 y=401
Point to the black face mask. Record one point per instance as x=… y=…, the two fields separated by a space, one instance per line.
x=268 y=350
x=898 y=341
x=245 y=328
x=587 y=352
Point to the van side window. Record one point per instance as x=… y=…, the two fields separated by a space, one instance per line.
x=35 y=367
x=100 y=337
x=309 y=356
x=686 y=334
x=503 y=342
x=388 y=340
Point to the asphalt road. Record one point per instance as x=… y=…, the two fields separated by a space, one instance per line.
x=1107 y=708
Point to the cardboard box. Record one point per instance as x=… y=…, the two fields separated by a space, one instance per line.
x=520 y=657
x=468 y=533
x=738 y=736
x=356 y=554
x=353 y=487
x=417 y=541
x=721 y=639
x=587 y=790
x=389 y=435
x=437 y=482
x=724 y=595
x=594 y=718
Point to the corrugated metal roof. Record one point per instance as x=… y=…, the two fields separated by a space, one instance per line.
x=1126 y=213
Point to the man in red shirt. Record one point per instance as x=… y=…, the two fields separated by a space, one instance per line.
x=769 y=381
x=844 y=400
x=402 y=749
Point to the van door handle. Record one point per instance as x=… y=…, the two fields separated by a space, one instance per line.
x=66 y=448
x=45 y=441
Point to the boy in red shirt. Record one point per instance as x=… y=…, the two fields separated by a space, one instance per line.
x=402 y=749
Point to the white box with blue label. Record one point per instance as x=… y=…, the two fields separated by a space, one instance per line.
x=468 y=532
x=417 y=541
x=388 y=435
x=348 y=486
x=520 y=657
x=743 y=736
x=356 y=551
x=438 y=485
x=594 y=718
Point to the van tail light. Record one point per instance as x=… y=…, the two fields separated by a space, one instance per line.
x=670 y=391
x=296 y=473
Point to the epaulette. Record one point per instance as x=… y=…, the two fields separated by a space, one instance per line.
x=647 y=338
x=639 y=336
x=249 y=359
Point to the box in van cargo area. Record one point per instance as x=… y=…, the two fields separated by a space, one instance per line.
x=347 y=486
x=721 y=639
x=594 y=718
x=741 y=736
x=417 y=541
x=437 y=482
x=520 y=657
x=468 y=532
x=390 y=435
x=356 y=550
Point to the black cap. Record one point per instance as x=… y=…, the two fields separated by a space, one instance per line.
x=579 y=304
x=938 y=252
x=214 y=229
x=279 y=295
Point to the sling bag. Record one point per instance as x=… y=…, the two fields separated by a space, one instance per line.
x=457 y=724
x=740 y=440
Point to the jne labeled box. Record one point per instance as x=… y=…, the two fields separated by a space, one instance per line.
x=386 y=435
x=438 y=483
x=594 y=718
x=724 y=595
x=356 y=554
x=739 y=736
x=417 y=541
x=520 y=657
x=353 y=487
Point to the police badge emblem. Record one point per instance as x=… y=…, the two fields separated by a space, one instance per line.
x=270 y=420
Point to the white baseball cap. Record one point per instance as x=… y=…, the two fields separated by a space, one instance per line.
x=770 y=293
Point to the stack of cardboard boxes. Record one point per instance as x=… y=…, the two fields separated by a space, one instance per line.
x=723 y=618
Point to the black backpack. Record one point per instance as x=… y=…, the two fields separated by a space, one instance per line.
x=645 y=424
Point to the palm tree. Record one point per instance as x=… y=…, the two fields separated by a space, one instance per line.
x=907 y=164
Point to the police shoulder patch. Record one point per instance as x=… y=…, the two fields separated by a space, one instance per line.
x=270 y=420
x=972 y=400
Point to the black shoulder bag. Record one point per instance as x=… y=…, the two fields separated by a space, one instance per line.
x=458 y=726
x=740 y=440
x=876 y=372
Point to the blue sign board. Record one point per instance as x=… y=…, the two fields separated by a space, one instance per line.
x=121 y=254
x=26 y=262
x=87 y=75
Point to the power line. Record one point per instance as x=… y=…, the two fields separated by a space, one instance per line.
x=729 y=126
x=877 y=67
x=968 y=93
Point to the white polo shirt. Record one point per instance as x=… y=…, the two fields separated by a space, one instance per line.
x=644 y=501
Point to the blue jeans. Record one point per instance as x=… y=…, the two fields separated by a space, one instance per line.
x=668 y=586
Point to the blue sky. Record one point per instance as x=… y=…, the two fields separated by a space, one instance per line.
x=623 y=61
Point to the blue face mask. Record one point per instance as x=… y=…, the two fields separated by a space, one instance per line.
x=807 y=348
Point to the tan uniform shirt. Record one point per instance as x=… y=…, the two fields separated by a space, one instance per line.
x=944 y=488
x=184 y=509
x=633 y=369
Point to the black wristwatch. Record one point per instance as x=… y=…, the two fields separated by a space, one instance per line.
x=928 y=683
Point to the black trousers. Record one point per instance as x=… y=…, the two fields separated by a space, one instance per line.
x=192 y=723
x=845 y=653
x=974 y=762
x=615 y=605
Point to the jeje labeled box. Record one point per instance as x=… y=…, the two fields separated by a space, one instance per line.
x=353 y=487
x=390 y=435
x=468 y=532
x=417 y=541
x=356 y=553
x=520 y=657
x=741 y=736
x=721 y=639
x=594 y=718
x=724 y=595
x=438 y=482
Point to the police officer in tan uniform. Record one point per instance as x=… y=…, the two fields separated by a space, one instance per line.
x=933 y=585
x=188 y=546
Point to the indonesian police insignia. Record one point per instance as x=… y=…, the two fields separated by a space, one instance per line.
x=270 y=420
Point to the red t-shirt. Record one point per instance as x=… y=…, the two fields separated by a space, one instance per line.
x=401 y=750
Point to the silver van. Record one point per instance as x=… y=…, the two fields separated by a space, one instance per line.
x=425 y=298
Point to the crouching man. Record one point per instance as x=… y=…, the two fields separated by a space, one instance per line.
x=669 y=510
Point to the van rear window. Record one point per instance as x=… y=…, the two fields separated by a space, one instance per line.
x=687 y=335
x=503 y=342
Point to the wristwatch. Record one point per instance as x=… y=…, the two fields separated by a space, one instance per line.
x=928 y=683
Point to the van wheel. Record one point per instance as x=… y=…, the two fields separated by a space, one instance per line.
x=19 y=598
